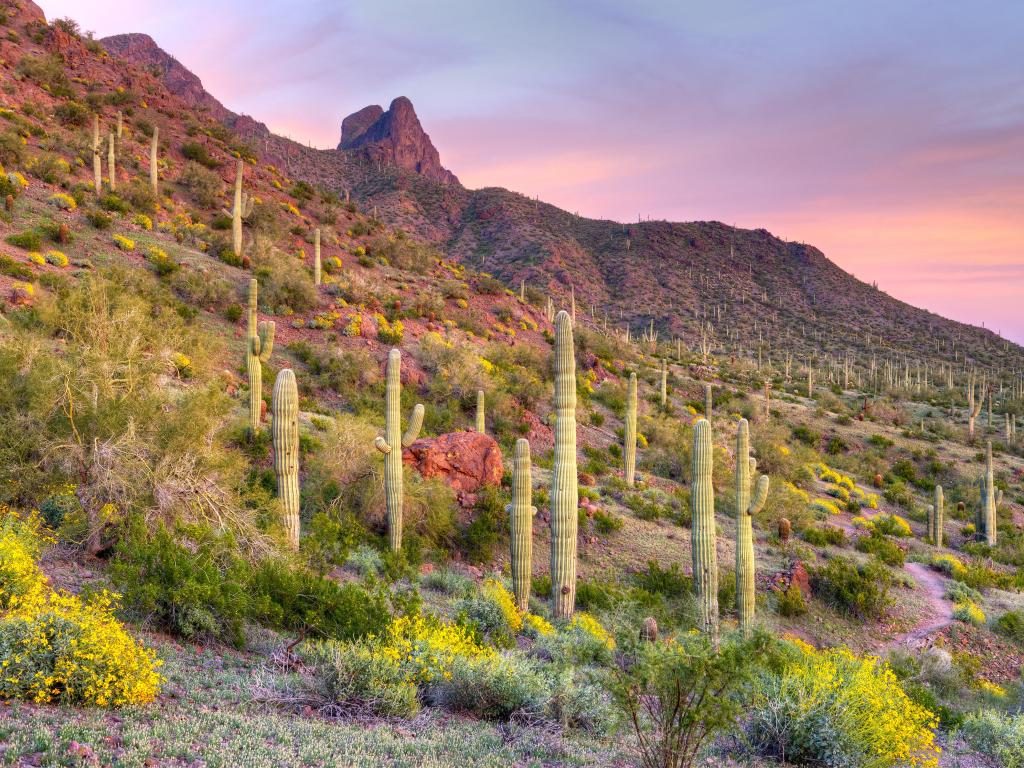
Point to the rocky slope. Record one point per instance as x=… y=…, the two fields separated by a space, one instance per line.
x=750 y=286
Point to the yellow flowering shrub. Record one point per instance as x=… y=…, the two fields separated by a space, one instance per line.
x=57 y=647
x=841 y=708
x=37 y=258
x=537 y=626
x=354 y=327
x=823 y=505
x=496 y=592
x=63 y=201
x=18 y=179
x=587 y=624
x=969 y=612
x=428 y=647
x=389 y=333
x=992 y=689
x=142 y=220
x=124 y=243
x=57 y=258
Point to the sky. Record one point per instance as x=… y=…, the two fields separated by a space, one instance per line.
x=888 y=134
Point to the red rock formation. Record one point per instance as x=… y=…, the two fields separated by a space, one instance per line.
x=467 y=461
x=394 y=137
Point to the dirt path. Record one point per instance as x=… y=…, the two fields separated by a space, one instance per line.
x=941 y=613
x=940 y=610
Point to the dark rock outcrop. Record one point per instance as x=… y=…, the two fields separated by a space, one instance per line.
x=394 y=137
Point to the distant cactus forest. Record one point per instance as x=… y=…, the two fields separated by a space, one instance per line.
x=285 y=480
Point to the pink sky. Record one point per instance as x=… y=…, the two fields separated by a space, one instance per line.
x=890 y=135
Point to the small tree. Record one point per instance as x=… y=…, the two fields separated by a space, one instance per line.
x=678 y=695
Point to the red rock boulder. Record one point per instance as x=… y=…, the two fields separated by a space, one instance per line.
x=466 y=461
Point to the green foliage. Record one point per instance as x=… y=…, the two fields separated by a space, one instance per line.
x=29 y=240
x=488 y=528
x=861 y=590
x=680 y=694
x=193 y=150
x=1000 y=736
x=790 y=602
x=825 y=535
x=492 y=687
x=1011 y=626
x=882 y=547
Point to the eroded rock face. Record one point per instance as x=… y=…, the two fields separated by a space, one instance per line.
x=394 y=137
x=467 y=461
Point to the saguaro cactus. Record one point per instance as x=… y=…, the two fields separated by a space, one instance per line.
x=565 y=490
x=481 y=414
x=935 y=517
x=520 y=519
x=97 y=157
x=629 y=434
x=702 y=529
x=285 y=429
x=241 y=209
x=708 y=400
x=316 y=257
x=745 y=511
x=990 y=500
x=392 y=443
x=112 y=162
x=664 y=383
x=973 y=408
x=154 y=172
x=258 y=348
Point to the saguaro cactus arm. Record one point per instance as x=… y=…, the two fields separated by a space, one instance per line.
x=415 y=425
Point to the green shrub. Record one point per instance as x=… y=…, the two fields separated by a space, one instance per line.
x=488 y=528
x=882 y=547
x=204 y=185
x=790 y=602
x=111 y=202
x=861 y=590
x=99 y=219
x=72 y=114
x=824 y=535
x=669 y=582
x=354 y=679
x=491 y=687
x=11 y=268
x=1011 y=625
x=679 y=695
x=997 y=735
x=193 y=150
x=29 y=240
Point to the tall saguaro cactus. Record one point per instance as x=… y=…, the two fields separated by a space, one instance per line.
x=285 y=430
x=258 y=348
x=316 y=257
x=481 y=413
x=935 y=517
x=746 y=508
x=520 y=520
x=241 y=209
x=664 y=382
x=97 y=156
x=112 y=162
x=154 y=172
x=974 y=404
x=990 y=500
x=708 y=401
x=392 y=443
x=565 y=490
x=629 y=434
x=702 y=529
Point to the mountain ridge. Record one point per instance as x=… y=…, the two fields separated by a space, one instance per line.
x=672 y=273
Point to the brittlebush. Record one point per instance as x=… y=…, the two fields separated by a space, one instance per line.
x=57 y=647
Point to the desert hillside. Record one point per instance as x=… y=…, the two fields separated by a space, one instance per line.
x=317 y=458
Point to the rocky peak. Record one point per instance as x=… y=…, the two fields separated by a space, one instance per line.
x=396 y=137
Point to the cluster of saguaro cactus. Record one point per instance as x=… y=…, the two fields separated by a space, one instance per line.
x=316 y=257
x=936 y=512
x=154 y=171
x=708 y=402
x=258 y=348
x=285 y=431
x=629 y=434
x=520 y=519
x=481 y=414
x=702 y=529
x=564 y=487
x=240 y=210
x=991 y=498
x=391 y=445
x=746 y=508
